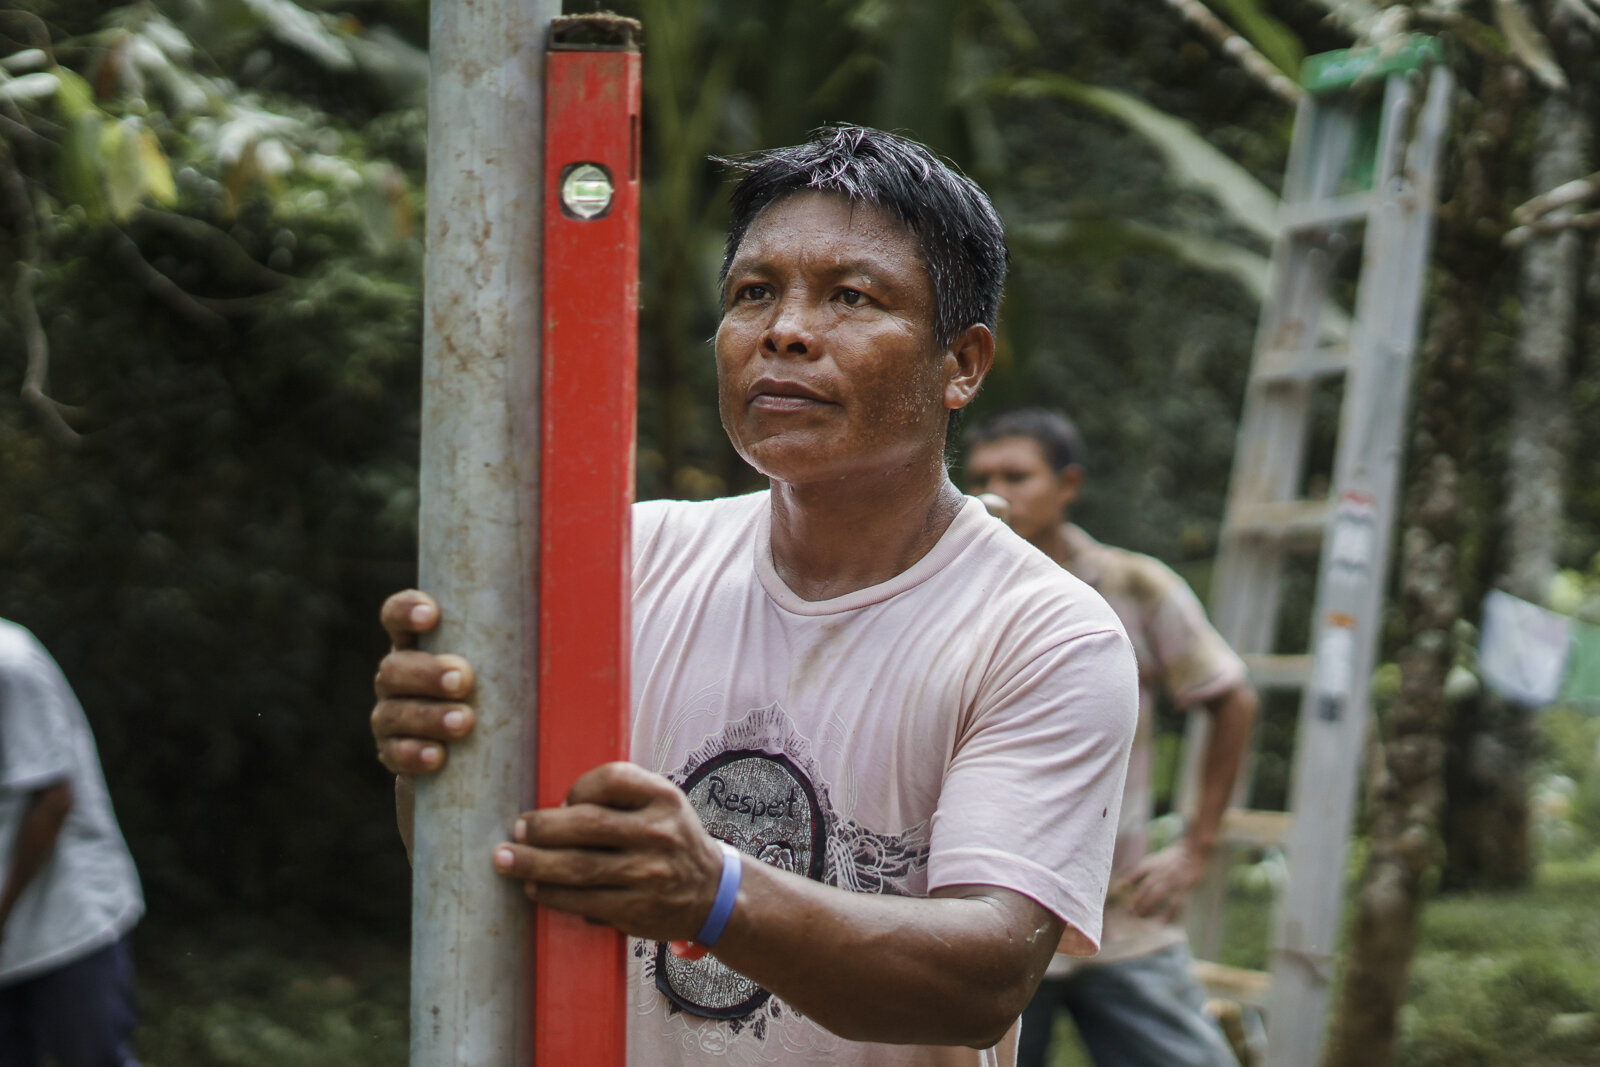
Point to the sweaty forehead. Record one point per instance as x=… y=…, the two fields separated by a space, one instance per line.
x=826 y=227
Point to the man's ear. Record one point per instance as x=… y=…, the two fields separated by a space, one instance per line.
x=1068 y=482
x=967 y=361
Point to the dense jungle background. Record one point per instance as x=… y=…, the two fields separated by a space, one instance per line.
x=209 y=381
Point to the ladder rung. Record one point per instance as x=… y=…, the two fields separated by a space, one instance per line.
x=1291 y=366
x=1233 y=983
x=1280 y=518
x=1249 y=828
x=1279 y=672
x=1331 y=213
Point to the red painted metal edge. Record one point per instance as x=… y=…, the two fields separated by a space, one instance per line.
x=591 y=270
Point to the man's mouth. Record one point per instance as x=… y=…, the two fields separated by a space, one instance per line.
x=773 y=394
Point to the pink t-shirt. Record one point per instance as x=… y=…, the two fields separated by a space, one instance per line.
x=966 y=722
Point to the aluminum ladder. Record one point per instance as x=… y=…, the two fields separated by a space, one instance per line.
x=1360 y=181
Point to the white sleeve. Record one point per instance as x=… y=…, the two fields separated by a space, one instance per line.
x=35 y=724
x=1033 y=792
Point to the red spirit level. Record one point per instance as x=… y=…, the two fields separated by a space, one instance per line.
x=591 y=281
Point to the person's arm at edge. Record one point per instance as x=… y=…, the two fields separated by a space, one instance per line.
x=45 y=813
x=1161 y=882
x=956 y=968
x=1233 y=717
x=628 y=850
x=960 y=966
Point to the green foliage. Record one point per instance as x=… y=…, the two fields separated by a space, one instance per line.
x=1566 y=794
x=1102 y=126
x=1505 y=979
x=226 y=283
x=1190 y=158
x=1275 y=40
x=251 y=996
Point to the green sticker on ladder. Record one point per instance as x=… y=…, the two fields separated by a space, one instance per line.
x=1328 y=72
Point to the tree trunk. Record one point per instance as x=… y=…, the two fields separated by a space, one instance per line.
x=1540 y=426
x=1486 y=829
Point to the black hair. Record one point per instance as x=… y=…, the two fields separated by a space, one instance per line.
x=960 y=235
x=1056 y=434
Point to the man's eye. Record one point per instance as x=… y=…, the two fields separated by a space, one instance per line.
x=1016 y=477
x=750 y=292
x=852 y=297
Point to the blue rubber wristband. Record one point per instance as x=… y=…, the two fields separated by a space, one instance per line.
x=727 y=893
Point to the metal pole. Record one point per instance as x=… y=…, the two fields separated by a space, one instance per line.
x=479 y=476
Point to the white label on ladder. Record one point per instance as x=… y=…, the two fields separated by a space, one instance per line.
x=1353 y=543
x=1336 y=653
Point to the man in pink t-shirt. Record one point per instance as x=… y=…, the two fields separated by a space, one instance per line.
x=878 y=742
x=1135 y=1004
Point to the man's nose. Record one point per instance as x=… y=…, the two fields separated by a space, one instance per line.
x=792 y=331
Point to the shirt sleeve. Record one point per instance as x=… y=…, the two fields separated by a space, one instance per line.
x=35 y=725
x=1032 y=796
x=1196 y=662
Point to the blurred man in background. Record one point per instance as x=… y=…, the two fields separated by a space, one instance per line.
x=1135 y=1003
x=69 y=893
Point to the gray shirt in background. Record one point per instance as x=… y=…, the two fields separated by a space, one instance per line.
x=87 y=895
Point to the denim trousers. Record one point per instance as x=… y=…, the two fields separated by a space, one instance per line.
x=80 y=1013
x=1143 y=1012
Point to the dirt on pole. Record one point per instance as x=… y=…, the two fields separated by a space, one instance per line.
x=479 y=471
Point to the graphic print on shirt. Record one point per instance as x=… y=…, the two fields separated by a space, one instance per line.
x=764 y=806
x=756 y=787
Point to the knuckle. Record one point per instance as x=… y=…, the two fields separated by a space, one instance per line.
x=617 y=772
x=661 y=834
x=657 y=874
x=584 y=868
x=588 y=820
